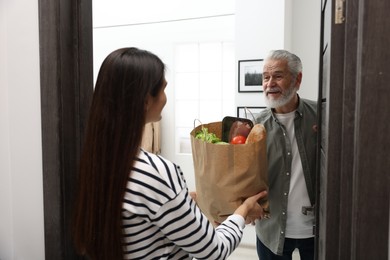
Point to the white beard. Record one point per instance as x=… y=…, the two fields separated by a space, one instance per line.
x=282 y=100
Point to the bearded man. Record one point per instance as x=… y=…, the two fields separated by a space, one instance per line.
x=290 y=122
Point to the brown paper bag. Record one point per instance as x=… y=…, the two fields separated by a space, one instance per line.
x=226 y=174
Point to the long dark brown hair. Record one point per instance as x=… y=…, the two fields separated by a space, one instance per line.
x=113 y=136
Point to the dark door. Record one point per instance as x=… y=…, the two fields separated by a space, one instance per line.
x=354 y=154
x=65 y=40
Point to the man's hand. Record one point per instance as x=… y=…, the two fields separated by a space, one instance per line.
x=193 y=195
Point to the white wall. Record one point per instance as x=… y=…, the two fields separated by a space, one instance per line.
x=21 y=196
x=6 y=234
x=260 y=27
x=305 y=42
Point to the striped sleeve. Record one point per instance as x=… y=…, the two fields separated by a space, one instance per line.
x=184 y=224
x=161 y=221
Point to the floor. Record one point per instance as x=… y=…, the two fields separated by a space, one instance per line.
x=249 y=253
x=247 y=249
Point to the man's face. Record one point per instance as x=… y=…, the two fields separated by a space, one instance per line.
x=280 y=87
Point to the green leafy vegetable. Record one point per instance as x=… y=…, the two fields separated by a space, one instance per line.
x=204 y=135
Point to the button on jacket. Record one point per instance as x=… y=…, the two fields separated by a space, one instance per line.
x=271 y=232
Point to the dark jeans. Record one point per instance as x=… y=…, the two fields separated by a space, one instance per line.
x=305 y=247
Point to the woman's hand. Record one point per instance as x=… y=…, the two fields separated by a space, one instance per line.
x=250 y=209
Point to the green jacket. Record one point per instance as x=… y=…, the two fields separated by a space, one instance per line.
x=271 y=232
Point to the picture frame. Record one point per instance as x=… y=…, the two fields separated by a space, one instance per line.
x=249 y=112
x=250 y=76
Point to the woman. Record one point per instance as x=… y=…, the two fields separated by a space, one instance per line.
x=132 y=204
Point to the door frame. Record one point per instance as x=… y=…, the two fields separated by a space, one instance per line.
x=66 y=73
x=357 y=229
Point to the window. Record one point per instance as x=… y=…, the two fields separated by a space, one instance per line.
x=204 y=87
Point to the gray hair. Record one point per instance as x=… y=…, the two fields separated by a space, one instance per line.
x=293 y=61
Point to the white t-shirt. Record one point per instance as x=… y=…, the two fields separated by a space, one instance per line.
x=298 y=225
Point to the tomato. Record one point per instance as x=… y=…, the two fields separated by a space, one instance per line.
x=238 y=139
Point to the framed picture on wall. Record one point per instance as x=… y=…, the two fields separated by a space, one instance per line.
x=249 y=112
x=250 y=76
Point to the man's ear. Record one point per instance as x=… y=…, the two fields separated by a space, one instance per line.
x=298 y=80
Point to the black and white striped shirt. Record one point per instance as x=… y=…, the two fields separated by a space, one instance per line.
x=161 y=221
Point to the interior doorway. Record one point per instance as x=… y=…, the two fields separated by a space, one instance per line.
x=353 y=192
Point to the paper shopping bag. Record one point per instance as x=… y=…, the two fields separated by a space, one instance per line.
x=226 y=174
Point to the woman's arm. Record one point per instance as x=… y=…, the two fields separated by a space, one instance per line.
x=182 y=222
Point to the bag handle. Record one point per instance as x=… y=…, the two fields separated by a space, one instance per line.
x=198 y=121
x=246 y=116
